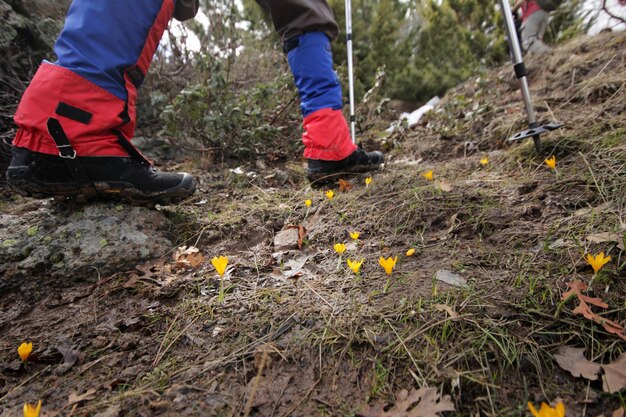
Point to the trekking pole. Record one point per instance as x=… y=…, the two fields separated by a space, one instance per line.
x=350 y=69
x=534 y=129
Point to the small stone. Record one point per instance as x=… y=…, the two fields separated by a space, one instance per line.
x=286 y=239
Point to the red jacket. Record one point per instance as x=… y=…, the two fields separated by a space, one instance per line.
x=529 y=7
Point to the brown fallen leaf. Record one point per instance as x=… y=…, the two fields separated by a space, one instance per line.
x=75 y=398
x=70 y=357
x=344 y=185
x=292 y=268
x=453 y=223
x=576 y=289
x=188 y=257
x=301 y=235
x=588 y=210
x=442 y=307
x=151 y=270
x=573 y=360
x=424 y=402
x=617 y=413
x=444 y=186
x=608 y=237
x=614 y=378
x=112 y=411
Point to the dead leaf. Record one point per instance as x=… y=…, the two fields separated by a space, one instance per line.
x=589 y=210
x=112 y=411
x=74 y=398
x=573 y=360
x=301 y=235
x=442 y=307
x=614 y=378
x=450 y=278
x=292 y=268
x=152 y=270
x=70 y=357
x=444 y=186
x=424 y=402
x=583 y=308
x=453 y=223
x=344 y=185
x=608 y=237
x=188 y=257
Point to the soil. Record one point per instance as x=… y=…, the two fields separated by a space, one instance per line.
x=299 y=334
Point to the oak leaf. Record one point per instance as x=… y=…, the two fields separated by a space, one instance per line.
x=573 y=360
x=443 y=307
x=614 y=378
x=576 y=289
x=444 y=186
x=424 y=402
x=608 y=237
x=344 y=185
x=188 y=257
x=75 y=398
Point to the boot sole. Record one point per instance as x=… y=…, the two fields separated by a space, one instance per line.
x=324 y=178
x=19 y=180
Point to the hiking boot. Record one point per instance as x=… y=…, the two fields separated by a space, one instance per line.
x=127 y=179
x=357 y=161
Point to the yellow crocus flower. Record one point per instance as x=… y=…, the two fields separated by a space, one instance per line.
x=410 y=252
x=31 y=411
x=355 y=265
x=547 y=411
x=308 y=203
x=220 y=264
x=24 y=350
x=388 y=264
x=428 y=175
x=368 y=181
x=330 y=194
x=340 y=248
x=551 y=162
x=355 y=235
x=484 y=161
x=598 y=261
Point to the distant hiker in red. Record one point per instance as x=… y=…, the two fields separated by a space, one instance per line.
x=77 y=116
x=534 y=24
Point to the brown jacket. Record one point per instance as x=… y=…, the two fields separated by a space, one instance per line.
x=290 y=17
x=186 y=9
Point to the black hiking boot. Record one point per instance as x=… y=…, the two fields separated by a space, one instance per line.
x=126 y=179
x=327 y=171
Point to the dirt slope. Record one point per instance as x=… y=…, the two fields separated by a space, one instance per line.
x=296 y=335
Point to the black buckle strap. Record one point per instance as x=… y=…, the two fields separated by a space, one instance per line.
x=130 y=148
x=60 y=139
x=69 y=154
x=291 y=44
x=74 y=113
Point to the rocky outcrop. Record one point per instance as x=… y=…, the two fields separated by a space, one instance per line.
x=68 y=243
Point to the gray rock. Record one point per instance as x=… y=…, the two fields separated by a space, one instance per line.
x=60 y=240
x=286 y=239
